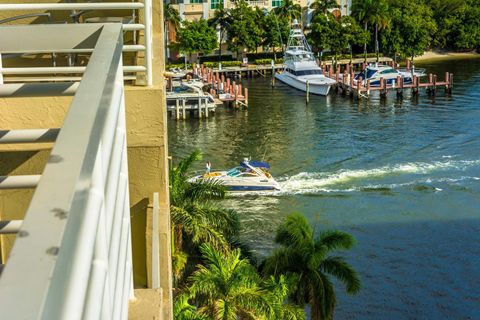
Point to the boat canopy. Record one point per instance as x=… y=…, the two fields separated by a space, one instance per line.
x=256 y=164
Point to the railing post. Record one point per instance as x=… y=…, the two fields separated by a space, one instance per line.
x=148 y=40
x=1 y=67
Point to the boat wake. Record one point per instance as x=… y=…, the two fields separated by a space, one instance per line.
x=382 y=179
x=354 y=180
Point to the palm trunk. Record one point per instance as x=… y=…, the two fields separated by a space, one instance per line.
x=220 y=49
x=365 y=45
x=376 y=41
x=315 y=311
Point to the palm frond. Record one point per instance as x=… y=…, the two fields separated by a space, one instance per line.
x=340 y=269
x=199 y=230
x=183 y=310
x=206 y=189
x=335 y=239
x=294 y=231
x=185 y=164
x=281 y=261
x=329 y=298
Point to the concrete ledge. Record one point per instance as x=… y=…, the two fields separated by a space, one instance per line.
x=146 y=306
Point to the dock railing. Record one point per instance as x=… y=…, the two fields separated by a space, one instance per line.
x=72 y=255
x=128 y=26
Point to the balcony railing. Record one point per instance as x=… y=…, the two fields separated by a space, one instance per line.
x=77 y=9
x=72 y=255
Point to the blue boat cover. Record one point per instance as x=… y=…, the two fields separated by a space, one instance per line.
x=256 y=164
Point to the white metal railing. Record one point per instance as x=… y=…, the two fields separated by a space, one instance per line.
x=72 y=256
x=146 y=47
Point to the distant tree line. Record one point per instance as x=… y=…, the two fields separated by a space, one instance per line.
x=395 y=27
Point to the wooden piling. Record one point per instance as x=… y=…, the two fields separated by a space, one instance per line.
x=359 y=87
x=368 y=87
x=383 y=90
x=183 y=109
x=177 y=109
x=246 y=96
x=399 y=86
x=307 y=96
x=273 y=75
x=450 y=83
x=206 y=107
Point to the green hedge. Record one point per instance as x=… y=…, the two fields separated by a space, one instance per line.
x=178 y=65
x=268 y=61
x=224 y=64
x=347 y=56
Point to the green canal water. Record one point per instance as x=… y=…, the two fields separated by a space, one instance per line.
x=403 y=176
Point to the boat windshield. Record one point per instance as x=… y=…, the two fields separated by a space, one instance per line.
x=234 y=172
x=370 y=74
x=304 y=72
x=296 y=57
x=386 y=71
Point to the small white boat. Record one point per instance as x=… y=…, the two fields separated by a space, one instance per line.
x=190 y=92
x=300 y=65
x=374 y=72
x=249 y=176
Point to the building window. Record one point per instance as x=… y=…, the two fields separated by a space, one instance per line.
x=216 y=4
x=276 y=3
x=196 y=1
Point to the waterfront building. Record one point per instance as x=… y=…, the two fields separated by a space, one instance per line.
x=83 y=150
x=191 y=10
x=195 y=9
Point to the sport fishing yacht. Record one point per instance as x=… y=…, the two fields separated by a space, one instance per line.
x=249 y=176
x=374 y=72
x=300 y=65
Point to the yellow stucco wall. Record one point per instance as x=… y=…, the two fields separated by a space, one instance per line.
x=147 y=149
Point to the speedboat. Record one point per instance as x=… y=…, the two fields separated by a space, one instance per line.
x=374 y=72
x=249 y=176
x=300 y=65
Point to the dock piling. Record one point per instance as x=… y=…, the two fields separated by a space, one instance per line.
x=307 y=92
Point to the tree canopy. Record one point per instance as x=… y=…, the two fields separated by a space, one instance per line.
x=411 y=27
x=196 y=37
x=244 y=31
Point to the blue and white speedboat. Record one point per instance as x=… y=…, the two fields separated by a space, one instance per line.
x=249 y=176
x=374 y=72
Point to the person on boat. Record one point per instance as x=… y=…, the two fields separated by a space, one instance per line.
x=208 y=167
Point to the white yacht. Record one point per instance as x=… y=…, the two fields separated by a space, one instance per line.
x=300 y=65
x=249 y=176
x=375 y=71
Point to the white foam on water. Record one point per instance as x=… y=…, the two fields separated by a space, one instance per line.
x=315 y=182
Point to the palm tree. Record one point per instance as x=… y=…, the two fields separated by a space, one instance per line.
x=371 y=11
x=194 y=218
x=306 y=262
x=229 y=288
x=322 y=6
x=380 y=18
x=222 y=20
x=182 y=310
x=171 y=16
x=289 y=10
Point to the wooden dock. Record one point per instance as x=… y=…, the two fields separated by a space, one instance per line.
x=222 y=88
x=179 y=105
x=347 y=84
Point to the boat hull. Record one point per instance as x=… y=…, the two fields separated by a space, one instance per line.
x=314 y=88
x=242 y=184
